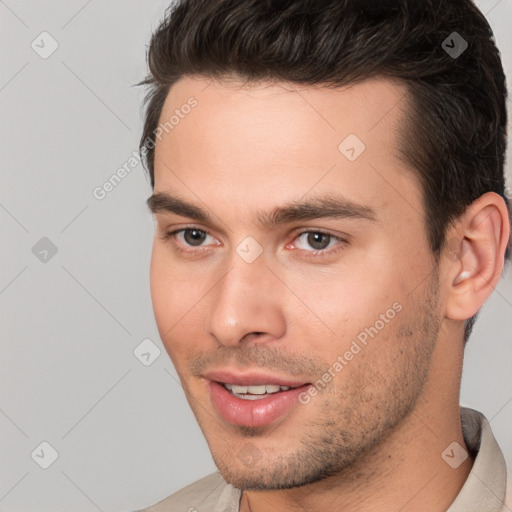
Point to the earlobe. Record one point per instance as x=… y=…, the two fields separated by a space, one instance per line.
x=478 y=265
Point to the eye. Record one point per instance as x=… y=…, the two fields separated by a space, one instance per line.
x=193 y=237
x=317 y=240
x=318 y=244
x=190 y=237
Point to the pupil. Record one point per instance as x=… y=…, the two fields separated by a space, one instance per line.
x=194 y=236
x=318 y=240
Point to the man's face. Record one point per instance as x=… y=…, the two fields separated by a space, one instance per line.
x=341 y=292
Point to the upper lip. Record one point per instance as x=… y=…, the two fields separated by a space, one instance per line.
x=250 y=378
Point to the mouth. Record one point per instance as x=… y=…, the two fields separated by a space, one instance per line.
x=255 y=392
x=253 y=400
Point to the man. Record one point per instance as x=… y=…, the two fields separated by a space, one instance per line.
x=330 y=215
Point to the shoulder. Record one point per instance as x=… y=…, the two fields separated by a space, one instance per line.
x=204 y=494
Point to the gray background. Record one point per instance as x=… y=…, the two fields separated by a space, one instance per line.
x=123 y=431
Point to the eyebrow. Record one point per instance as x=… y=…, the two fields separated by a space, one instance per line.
x=325 y=206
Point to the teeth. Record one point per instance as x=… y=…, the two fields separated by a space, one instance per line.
x=255 y=390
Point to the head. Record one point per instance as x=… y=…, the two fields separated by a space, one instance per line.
x=324 y=174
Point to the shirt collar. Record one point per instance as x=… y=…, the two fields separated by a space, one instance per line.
x=485 y=487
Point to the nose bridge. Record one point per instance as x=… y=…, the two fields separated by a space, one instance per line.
x=246 y=301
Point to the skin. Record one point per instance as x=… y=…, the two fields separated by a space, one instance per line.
x=372 y=438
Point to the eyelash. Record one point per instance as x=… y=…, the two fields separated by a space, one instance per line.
x=310 y=254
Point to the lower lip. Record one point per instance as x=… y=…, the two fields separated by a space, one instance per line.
x=253 y=413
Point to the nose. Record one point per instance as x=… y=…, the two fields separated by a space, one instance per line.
x=247 y=305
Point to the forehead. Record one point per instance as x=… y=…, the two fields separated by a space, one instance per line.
x=245 y=143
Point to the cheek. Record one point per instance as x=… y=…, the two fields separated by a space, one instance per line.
x=345 y=302
x=173 y=297
x=161 y=289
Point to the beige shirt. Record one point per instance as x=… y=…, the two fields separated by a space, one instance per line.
x=483 y=491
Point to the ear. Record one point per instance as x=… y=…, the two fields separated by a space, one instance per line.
x=476 y=255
